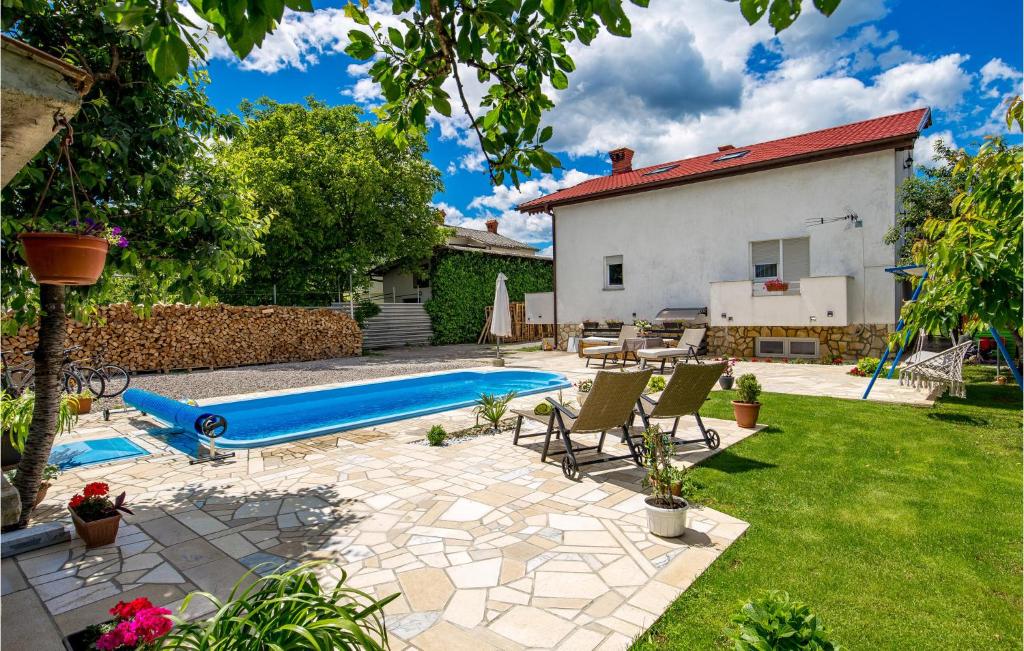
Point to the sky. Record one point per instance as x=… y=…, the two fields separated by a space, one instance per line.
x=693 y=76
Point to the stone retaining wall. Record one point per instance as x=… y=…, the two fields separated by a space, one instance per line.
x=189 y=336
x=853 y=341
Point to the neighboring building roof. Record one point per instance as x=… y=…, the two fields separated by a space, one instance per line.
x=889 y=131
x=489 y=239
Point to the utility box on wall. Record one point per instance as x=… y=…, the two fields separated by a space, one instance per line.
x=540 y=308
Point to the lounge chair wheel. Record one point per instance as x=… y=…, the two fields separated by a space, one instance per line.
x=569 y=468
x=641 y=453
x=714 y=440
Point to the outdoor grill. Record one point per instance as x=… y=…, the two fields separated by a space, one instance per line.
x=680 y=314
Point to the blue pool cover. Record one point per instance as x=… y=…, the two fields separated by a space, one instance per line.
x=265 y=421
x=87 y=453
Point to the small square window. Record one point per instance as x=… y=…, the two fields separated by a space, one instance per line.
x=613 y=278
x=766 y=270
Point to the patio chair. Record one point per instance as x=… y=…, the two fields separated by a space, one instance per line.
x=609 y=407
x=688 y=348
x=604 y=352
x=684 y=395
x=939 y=373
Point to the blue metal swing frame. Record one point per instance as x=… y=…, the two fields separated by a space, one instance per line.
x=905 y=271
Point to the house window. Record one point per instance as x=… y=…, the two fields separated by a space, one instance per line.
x=787 y=259
x=613 y=272
x=786 y=347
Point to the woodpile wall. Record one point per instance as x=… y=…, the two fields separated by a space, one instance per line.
x=189 y=336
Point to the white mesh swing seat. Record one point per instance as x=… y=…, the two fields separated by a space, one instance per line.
x=939 y=373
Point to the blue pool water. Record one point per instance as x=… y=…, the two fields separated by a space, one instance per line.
x=264 y=421
x=87 y=453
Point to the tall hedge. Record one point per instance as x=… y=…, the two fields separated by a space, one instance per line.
x=462 y=285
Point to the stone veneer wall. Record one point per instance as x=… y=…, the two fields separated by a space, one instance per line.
x=853 y=341
x=192 y=336
x=566 y=330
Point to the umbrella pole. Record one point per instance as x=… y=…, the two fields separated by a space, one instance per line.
x=498 y=354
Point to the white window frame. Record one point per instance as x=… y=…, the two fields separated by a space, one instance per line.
x=786 y=352
x=608 y=261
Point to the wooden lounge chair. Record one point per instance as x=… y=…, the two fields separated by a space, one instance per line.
x=604 y=352
x=684 y=394
x=688 y=348
x=609 y=407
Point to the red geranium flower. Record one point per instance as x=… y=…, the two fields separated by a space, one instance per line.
x=129 y=610
x=96 y=489
x=76 y=501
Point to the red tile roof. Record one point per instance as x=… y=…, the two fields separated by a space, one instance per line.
x=846 y=139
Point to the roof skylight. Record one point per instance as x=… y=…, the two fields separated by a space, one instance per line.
x=660 y=170
x=731 y=155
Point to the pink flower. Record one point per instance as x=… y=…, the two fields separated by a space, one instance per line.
x=119 y=636
x=151 y=624
x=128 y=610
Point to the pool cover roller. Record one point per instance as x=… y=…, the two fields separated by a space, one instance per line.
x=190 y=418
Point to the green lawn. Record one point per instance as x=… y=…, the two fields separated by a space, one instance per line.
x=900 y=526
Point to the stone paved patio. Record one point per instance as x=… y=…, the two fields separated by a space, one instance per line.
x=488 y=547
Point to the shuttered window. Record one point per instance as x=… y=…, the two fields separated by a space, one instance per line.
x=789 y=259
x=765 y=256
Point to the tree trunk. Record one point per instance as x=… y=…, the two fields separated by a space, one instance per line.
x=48 y=355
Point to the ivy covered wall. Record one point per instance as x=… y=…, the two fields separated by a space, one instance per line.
x=462 y=285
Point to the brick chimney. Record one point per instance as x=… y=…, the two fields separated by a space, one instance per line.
x=622 y=160
x=492 y=226
x=725 y=147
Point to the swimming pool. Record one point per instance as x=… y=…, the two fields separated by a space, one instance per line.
x=86 y=453
x=263 y=421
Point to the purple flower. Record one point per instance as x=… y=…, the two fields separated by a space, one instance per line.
x=115 y=230
x=122 y=242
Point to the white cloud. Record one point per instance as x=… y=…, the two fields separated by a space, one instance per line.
x=995 y=70
x=547 y=252
x=924 y=148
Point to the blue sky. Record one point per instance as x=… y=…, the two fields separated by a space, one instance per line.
x=692 y=77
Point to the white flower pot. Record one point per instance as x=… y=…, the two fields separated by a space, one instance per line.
x=666 y=523
x=581 y=397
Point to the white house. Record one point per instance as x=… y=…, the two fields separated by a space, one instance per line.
x=809 y=210
x=400 y=286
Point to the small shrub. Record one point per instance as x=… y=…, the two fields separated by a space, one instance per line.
x=655 y=384
x=774 y=621
x=748 y=389
x=286 y=610
x=543 y=409
x=584 y=385
x=867 y=366
x=436 y=435
x=492 y=408
x=364 y=311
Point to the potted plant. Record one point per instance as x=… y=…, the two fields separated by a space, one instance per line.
x=590 y=325
x=136 y=625
x=666 y=513
x=492 y=408
x=95 y=516
x=50 y=472
x=583 y=388
x=746 y=407
x=642 y=327
x=73 y=255
x=16 y=418
x=776 y=285
x=727 y=379
x=613 y=323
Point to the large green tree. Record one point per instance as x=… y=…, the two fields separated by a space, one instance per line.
x=974 y=258
x=140 y=149
x=927 y=195
x=339 y=197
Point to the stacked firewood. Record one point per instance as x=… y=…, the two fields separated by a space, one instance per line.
x=181 y=336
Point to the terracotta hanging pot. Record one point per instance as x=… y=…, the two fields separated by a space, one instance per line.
x=64 y=258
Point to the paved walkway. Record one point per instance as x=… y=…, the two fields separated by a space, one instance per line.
x=489 y=547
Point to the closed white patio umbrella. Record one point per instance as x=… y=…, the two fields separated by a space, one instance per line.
x=501 y=317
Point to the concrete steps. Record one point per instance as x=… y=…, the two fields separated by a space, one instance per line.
x=398 y=324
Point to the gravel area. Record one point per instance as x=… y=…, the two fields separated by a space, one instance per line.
x=248 y=379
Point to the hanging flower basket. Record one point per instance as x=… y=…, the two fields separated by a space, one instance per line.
x=65 y=258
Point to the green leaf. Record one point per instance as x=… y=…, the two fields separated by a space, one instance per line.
x=826 y=7
x=783 y=13
x=169 y=58
x=395 y=37
x=442 y=106
x=752 y=10
x=559 y=80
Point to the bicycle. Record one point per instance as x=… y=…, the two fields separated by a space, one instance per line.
x=115 y=378
x=15 y=378
x=75 y=378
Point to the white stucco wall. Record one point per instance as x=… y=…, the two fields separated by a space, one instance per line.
x=675 y=242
